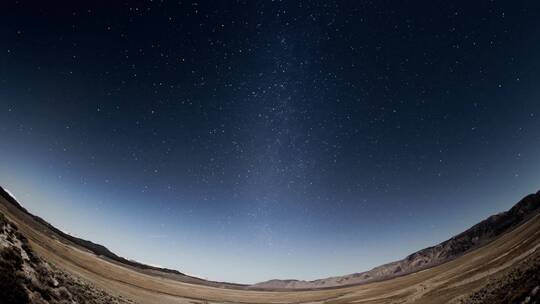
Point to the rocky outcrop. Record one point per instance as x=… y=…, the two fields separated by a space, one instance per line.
x=26 y=278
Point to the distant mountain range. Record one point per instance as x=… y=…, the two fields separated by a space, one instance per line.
x=476 y=236
x=102 y=251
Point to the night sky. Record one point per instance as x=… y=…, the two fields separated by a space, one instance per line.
x=251 y=140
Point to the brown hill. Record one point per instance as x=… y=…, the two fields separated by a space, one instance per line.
x=474 y=237
x=495 y=262
x=102 y=251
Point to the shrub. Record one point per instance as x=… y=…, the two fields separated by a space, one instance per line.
x=11 y=288
x=31 y=255
x=64 y=294
x=12 y=255
x=3 y=219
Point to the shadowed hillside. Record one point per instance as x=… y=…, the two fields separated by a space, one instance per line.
x=101 y=250
x=472 y=238
x=496 y=261
x=26 y=278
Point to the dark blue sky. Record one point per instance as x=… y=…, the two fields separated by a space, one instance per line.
x=251 y=140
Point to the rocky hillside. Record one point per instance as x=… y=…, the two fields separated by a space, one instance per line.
x=103 y=251
x=472 y=238
x=520 y=285
x=95 y=248
x=15 y=246
x=26 y=278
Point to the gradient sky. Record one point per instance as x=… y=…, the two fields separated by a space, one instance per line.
x=251 y=140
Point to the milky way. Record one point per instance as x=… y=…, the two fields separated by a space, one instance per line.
x=249 y=140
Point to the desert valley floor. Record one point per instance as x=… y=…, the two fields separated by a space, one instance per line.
x=503 y=271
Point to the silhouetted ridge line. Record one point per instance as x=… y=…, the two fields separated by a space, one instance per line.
x=93 y=247
x=472 y=238
x=98 y=249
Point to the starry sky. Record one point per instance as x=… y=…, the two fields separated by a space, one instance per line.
x=251 y=140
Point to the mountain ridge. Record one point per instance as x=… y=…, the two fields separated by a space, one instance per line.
x=103 y=251
x=472 y=238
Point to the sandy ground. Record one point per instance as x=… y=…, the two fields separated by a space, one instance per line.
x=445 y=283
